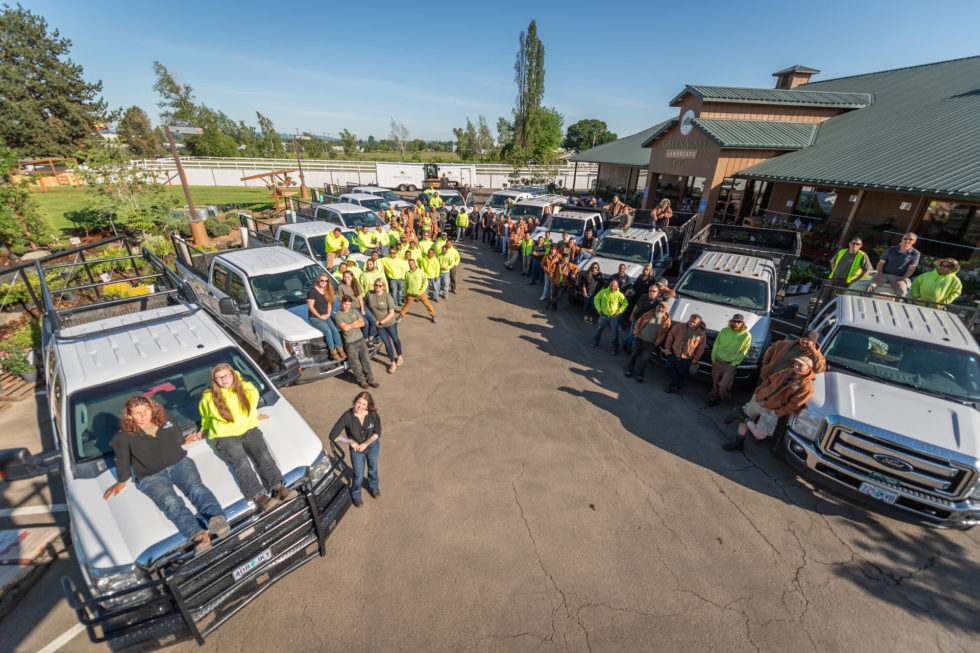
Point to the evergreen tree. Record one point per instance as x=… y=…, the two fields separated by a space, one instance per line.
x=46 y=107
x=135 y=130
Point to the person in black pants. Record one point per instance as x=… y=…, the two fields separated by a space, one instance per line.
x=350 y=321
x=362 y=429
x=649 y=331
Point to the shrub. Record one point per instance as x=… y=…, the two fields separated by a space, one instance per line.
x=123 y=289
x=216 y=228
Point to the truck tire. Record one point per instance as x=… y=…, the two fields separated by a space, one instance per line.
x=412 y=188
x=269 y=360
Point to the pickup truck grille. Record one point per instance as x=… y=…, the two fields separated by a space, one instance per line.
x=916 y=472
x=319 y=351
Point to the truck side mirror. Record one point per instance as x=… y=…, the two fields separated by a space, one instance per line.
x=18 y=464
x=227 y=306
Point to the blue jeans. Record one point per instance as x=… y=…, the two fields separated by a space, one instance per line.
x=629 y=339
x=677 y=369
x=330 y=332
x=537 y=272
x=397 y=289
x=444 y=282
x=389 y=336
x=434 y=288
x=357 y=460
x=160 y=488
x=611 y=321
x=588 y=307
x=370 y=328
x=546 y=293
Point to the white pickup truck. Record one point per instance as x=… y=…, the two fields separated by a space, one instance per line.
x=636 y=247
x=305 y=237
x=347 y=216
x=573 y=221
x=142 y=583
x=893 y=422
x=259 y=295
x=386 y=194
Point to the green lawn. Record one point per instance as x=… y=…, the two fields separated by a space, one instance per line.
x=55 y=205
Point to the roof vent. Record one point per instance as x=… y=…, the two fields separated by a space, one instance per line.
x=794 y=76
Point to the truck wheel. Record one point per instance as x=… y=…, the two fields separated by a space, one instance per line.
x=412 y=188
x=269 y=361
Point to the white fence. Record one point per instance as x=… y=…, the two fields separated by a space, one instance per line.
x=214 y=171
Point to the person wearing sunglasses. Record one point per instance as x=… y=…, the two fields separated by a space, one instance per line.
x=319 y=299
x=940 y=285
x=727 y=353
x=897 y=265
x=849 y=264
x=382 y=306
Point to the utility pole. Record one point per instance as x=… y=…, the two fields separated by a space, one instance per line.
x=304 y=192
x=197 y=226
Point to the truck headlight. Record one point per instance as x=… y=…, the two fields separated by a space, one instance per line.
x=807 y=425
x=298 y=348
x=753 y=354
x=320 y=467
x=118 y=579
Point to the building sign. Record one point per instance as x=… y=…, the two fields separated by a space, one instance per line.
x=687 y=123
x=682 y=154
x=687 y=143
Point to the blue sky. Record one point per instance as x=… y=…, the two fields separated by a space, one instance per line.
x=325 y=66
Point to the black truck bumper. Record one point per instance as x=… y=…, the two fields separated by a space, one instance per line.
x=192 y=596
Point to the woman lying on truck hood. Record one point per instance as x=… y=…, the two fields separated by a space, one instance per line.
x=149 y=449
x=230 y=416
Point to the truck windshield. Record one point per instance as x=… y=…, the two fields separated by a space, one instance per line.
x=633 y=251
x=95 y=412
x=951 y=373
x=387 y=194
x=452 y=200
x=563 y=225
x=376 y=205
x=727 y=289
x=284 y=288
x=358 y=220
x=519 y=212
x=498 y=201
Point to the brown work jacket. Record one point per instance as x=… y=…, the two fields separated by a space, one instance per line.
x=783 y=393
x=778 y=357
x=691 y=350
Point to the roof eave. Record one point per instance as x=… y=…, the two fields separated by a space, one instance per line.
x=939 y=192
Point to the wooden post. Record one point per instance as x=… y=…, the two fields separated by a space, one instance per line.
x=180 y=171
x=845 y=230
x=574 y=176
x=304 y=192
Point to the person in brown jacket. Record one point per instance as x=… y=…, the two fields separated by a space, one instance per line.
x=783 y=393
x=684 y=345
x=562 y=274
x=780 y=355
x=514 y=239
x=649 y=332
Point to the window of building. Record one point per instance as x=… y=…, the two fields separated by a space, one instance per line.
x=815 y=202
x=952 y=222
x=730 y=195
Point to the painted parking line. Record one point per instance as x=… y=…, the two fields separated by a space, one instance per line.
x=32 y=510
x=63 y=639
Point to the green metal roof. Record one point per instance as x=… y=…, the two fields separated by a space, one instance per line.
x=921 y=135
x=796 y=69
x=627 y=151
x=757 y=134
x=795 y=97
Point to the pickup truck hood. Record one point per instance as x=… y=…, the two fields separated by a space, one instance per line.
x=939 y=422
x=289 y=322
x=609 y=266
x=400 y=204
x=716 y=316
x=129 y=527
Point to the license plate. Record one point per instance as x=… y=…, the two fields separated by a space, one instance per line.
x=876 y=492
x=253 y=563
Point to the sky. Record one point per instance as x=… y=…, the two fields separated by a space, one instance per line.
x=321 y=67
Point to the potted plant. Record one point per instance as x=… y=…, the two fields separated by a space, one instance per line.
x=18 y=364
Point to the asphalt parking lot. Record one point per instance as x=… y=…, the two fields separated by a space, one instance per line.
x=534 y=498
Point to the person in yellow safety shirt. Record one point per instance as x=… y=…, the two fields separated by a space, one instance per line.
x=527 y=254
x=395 y=267
x=364 y=239
x=425 y=244
x=445 y=266
x=336 y=246
x=389 y=215
x=462 y=224
x=728 y=352
x=611 y=304
x=230 y=417
x=415 y=285
x=454 y=254
x=394 y=236
x=380 y=239
x=355 y=270
x=940 y=285
x=850 y=264
x=372 y=272
x=430 y=266
x=440 y=243
x=435 y=202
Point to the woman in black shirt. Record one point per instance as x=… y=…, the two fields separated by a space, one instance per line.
x=320 y=301
x=362 y=428
x=149 y=449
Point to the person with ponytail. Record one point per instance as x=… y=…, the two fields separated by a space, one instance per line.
x=230 y=417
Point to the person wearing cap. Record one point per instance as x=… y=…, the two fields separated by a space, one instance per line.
x=684 y=345
x=610 y=304
x=665 y=290
x=415 y=286
x=940 y=285
x=849 y=264
x=350 y=321
x=336 y=246
x=781 y=353
x=782 y=394
x=730 y=348
x=649 y=331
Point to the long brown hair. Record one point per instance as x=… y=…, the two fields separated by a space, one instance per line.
x=236 y=387
x=328 y=293
x=356 y=287
x=128 y=424
x=368 y=397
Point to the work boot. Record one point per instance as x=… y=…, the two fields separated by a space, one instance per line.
x=373 y=384
x=201 y=541
x=738 y=444
x=364 y=384
x=434 y=320
x=375 y=493
x=266 y=503
x=218 y=526
x=629 y=372
x=285 y=494
x=343 y=354
x=357 y=502
x=334 y=355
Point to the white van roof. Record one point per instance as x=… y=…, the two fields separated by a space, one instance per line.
x=750 y=266
x=266 y=260
x=905 y=320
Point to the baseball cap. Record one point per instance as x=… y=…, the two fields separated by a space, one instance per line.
x=662 y=281
x=803 y=360
x=738 y=317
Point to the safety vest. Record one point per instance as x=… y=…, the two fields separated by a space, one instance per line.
x=547 y=246
x=389 y=214
x=527 y=246
x=856 y=267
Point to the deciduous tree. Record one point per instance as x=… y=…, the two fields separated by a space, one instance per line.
x=587 y=133
x=349 y=141
x=529 y=76
x=21 y=220
x=399 y=136
x=136 y=132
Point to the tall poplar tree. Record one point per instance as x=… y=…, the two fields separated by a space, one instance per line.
x=529 y=76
